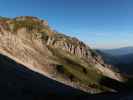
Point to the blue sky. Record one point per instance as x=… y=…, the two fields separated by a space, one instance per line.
x=100 y=23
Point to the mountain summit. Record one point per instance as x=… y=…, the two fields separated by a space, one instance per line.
x=31 y=42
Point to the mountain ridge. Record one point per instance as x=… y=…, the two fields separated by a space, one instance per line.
x=31 y=42
x=119 y=51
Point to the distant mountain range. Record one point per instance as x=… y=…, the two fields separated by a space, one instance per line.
x=119 y=51
x=121 y=58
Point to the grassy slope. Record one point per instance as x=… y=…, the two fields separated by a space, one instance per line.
x=77 y=70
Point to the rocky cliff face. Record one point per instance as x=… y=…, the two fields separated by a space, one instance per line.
x=31 y=42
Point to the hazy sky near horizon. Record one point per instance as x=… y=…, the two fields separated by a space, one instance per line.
x=100 y=23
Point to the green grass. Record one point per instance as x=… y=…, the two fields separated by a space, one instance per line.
x=29 y=24
x=76 y=69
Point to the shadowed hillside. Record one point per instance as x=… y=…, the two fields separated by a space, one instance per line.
x=21 y=83
x=18 y=82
